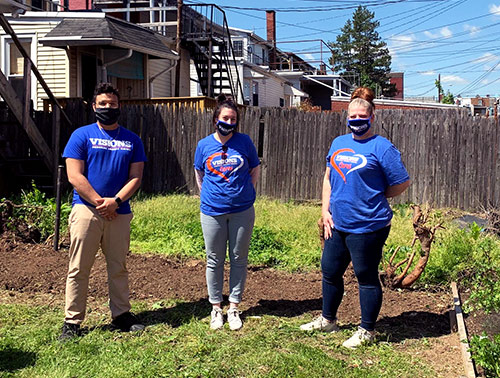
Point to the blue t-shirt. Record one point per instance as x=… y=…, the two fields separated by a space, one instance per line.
x=227 y=184
x=107 y=156
x=360 y=172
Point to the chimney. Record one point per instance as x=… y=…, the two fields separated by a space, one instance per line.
x=271 y=36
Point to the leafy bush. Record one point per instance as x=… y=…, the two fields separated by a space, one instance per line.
x=458 y=251
x=37 y=212
x=484 y=281
x=486 y=353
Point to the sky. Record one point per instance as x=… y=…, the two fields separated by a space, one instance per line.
x=456 y=39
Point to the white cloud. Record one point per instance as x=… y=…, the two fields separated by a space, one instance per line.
x=488 y=57
x=495 y=9
x=430 y=35
x=488 y=60
x=446 y=32
x=485 y=81
x=443 y=32
x=428 y=73
x=401 y=43
x=309 y=57
x=453 y=79
x=473 y=30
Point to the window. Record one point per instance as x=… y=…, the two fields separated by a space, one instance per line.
x=15 y=67
x=238 y=49
x=255 y=93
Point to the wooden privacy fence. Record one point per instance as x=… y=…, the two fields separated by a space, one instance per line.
x=453 y=159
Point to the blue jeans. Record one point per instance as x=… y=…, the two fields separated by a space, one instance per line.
x=218 y=231
x=365 y=252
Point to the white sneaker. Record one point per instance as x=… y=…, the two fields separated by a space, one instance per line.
x=216 y=318
x=360 y=337
x=233 y=318
x=321 y=324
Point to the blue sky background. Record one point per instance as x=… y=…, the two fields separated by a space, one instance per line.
x=458 y=39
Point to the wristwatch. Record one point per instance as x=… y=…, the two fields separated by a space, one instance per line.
x=118 y=200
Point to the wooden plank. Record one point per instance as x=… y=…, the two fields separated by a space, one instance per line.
x=462 y=334
x=9 y=95
x=56 y=138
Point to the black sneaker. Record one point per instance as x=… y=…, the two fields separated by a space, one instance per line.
x=69 y=331
x=128 y=322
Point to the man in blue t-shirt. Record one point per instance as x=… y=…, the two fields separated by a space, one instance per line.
x=104 y=162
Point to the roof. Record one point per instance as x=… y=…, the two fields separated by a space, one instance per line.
x=108 y=31
x=13 y=6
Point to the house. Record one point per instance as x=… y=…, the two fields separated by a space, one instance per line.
x=261 y=86
x=397 y=78
x=478 y=105
x=75 y=50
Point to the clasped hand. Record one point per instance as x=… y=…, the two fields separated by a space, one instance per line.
x=106 y=208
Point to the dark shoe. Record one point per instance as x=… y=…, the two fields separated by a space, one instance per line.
x=69 y=331
x=127 y=322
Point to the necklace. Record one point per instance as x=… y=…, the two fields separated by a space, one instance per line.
x=107 y=135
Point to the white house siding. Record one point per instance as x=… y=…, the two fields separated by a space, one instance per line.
x=53 y=63
x=162 y=85
x=194 y=87
x=270 y=92
x=235 y=72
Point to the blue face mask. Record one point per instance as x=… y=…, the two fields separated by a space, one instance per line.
x=359 y=126
x=225 y=128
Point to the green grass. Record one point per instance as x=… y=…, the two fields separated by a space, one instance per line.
x=285 y=235
x=178 y=343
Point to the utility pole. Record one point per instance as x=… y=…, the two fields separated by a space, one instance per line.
x=440 y=91
x=178 y=48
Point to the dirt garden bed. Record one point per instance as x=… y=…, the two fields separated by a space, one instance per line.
x=27 y=270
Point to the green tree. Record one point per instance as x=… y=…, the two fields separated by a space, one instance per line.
x=360 y=55
x=447 y=98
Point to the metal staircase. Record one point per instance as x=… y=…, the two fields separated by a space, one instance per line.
x=205 y=33
x=202 y=29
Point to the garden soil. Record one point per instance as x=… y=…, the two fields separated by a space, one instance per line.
x=34 y=271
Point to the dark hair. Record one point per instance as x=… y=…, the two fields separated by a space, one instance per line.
x=105 y=88
x=365 y=96
x=225 y=101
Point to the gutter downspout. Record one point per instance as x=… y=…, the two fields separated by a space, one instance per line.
x=104 y=71
x=152 y=78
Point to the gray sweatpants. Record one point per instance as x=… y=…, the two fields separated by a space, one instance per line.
x=235 y=228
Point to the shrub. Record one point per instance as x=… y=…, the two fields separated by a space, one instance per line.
x=486 y=353
x=36 y=212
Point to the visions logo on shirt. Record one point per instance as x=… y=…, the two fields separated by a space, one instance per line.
x=224 y=167
x=345 y=161
x=107 y=144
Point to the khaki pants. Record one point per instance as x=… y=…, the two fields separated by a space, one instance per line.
x=88 y=232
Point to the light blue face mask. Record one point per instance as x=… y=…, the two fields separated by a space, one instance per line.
x=359 y=126
x=225 y=128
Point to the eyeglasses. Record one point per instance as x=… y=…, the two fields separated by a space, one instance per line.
x=224 y=152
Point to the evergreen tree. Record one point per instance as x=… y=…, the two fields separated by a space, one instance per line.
x=360 y=56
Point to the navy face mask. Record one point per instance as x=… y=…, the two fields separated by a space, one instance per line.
x=107 y=116
x=359 y=126
x=225 y=128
